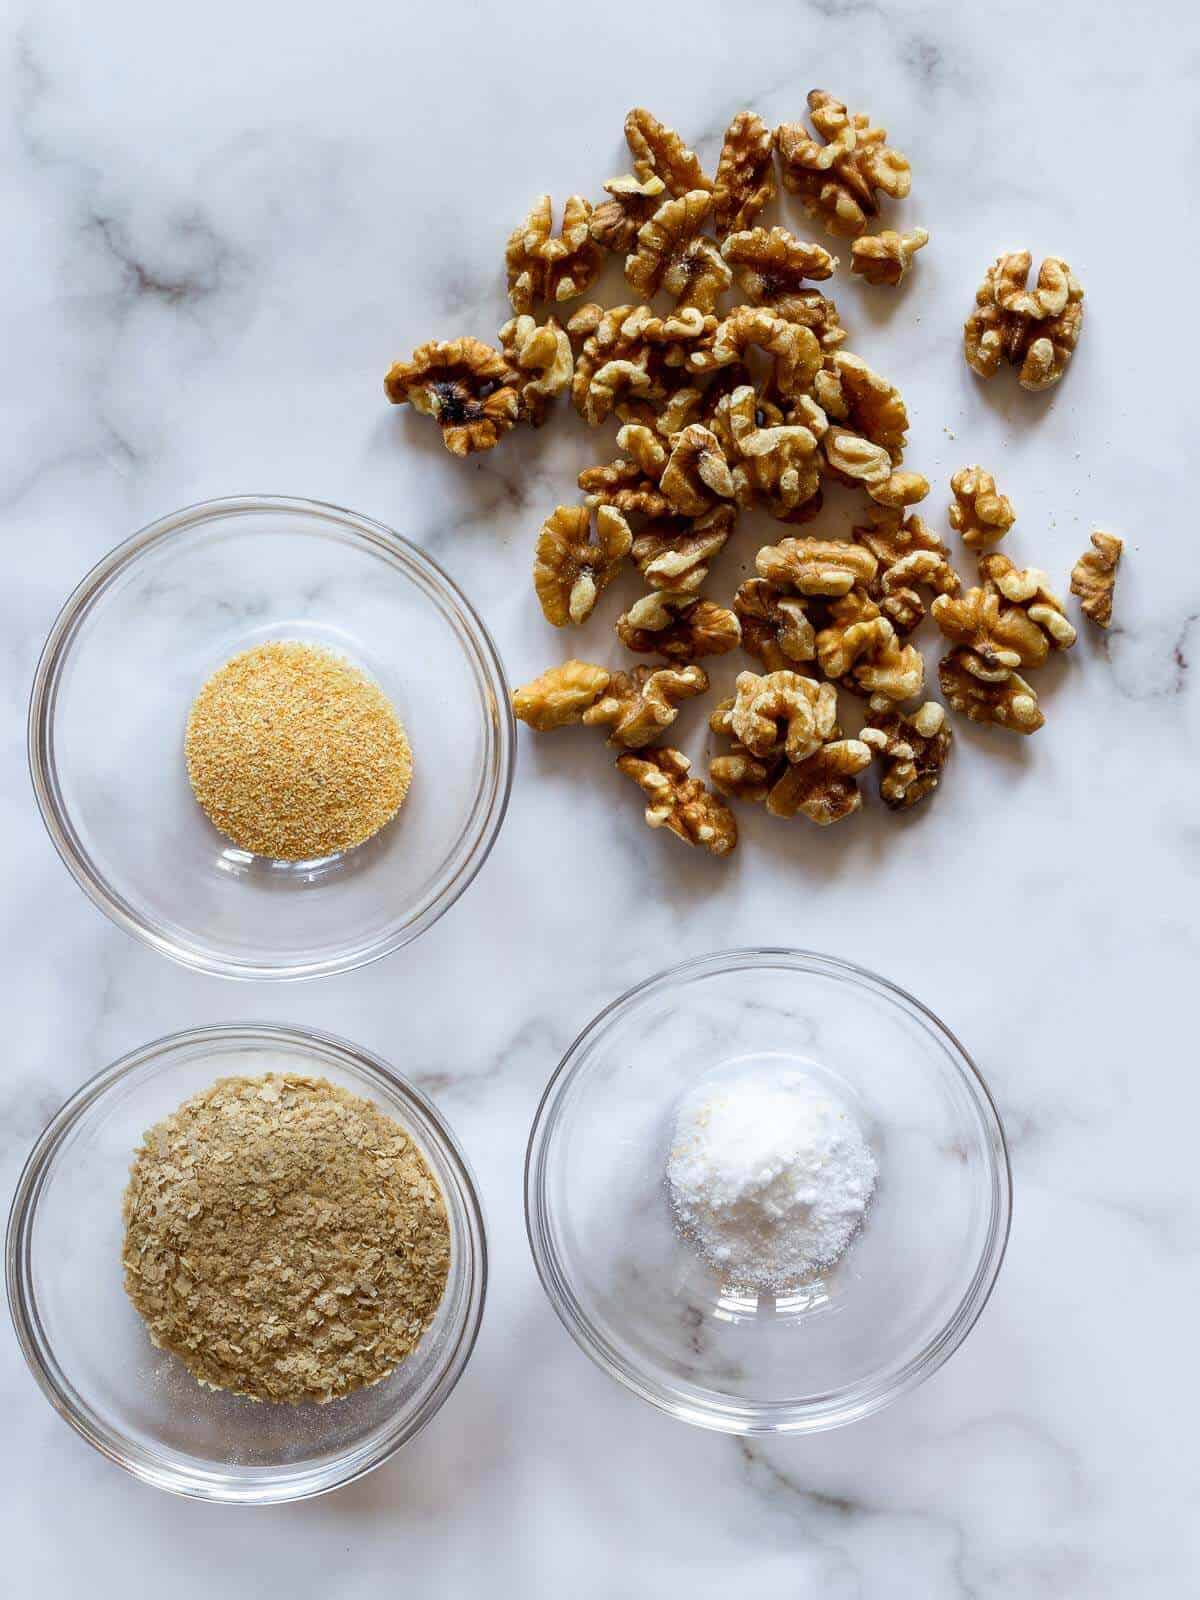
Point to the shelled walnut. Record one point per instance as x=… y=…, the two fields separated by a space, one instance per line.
x=776 y=628
x=545 y=266
x=541 y=355
x=815 y=566
x=794 y=351
x=561 y=695
x=1094 y=577
x=632 y=200
x=745 y=173
x=1009 y=703
x=631 y=482
x=858 y=648
x=851 y=392
x=637 y=706
x=673 y=254
x=821 y=786
x=1034 y=330
x=696 y=474
x=839 y=181
x=884 y=258
x=913 y=748
x=979 y=513
x=995 y=638
x=1029 y=588
x=659 y=152
x=680 y=803
x=853 y=459
x=782 y=713
x=571 y=567
x=911 y=558
x=675 y=552
x=777 y=465
x=467 y=387
x=678 y=626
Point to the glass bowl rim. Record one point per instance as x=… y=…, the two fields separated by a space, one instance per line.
x=271 y=1488
x=416 y=565
x=747 y=1418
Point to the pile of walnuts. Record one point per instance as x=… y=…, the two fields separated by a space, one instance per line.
x=723 y=407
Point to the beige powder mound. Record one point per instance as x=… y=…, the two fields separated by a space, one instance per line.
x=284 y=1239
x=295 y=754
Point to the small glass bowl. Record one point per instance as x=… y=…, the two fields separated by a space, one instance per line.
x=137 y=640
x=88 y=1348
x=651 y=1313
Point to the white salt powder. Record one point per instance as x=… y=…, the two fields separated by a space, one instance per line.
x=768 y=1172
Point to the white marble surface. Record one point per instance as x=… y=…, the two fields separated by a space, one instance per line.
x=220 y=225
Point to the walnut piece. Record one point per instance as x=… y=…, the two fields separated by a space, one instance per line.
x=1029 y=588
x=839 y=181
x=465 y=385
x=884 y=258
x=815 y=566
x=914 y=749
x=678 y=626
x=612 y=367
x=745 y=173
x=542 y=266
x=1094 y=577
x=1009 y=703
x=679 y=803
x=782 y=713
x=796 y=352
x=571 y=568
x=996 y=638
x=615 y=222
x=659 y=152
x=544 y=353
x=639 y=705
x=851 y=458
x=858 y=648
x=978 y=512
x=1034 y=330
x=911 y=557
x=675 y=553
x=822 y=788
x=561 y=695
x=778 y=465
x=672 y=254
x=851 y=392
x=776 y=629
x=696 y=473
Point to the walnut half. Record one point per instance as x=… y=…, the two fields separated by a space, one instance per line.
x=560 y=696
x=678 y=802
x=1094 y=577
x=467 y=387
x=570 y=567
x=914 y=749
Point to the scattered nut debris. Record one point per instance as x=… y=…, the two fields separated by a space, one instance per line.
x=1094 y=577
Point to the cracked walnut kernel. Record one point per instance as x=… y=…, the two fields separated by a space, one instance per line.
x=560 y=696
x=822 y=788
x=678 y=626
x=1029 y=588
x=659 y=152
x=771 y=266
x=632 y=200
x=675 y=553
x=570 y=567
x=777 y=464
x=544 y=266
x=1094 y=577
x=680 y=803
x=795 y=351
x=1034 y=330
x=815 y=566
x=671 y=249
x=1009 y=703
x=840 y=180
x=544 y=353
x=858 y=648
x=851 y=392
x=995 y=638
x=782 y=713
x=884 y=258
x=911 y=557
x=914 y=749
x=641 y=704
x=466 y=386
x=776 y=629
x=851 y=458
x=745 y=173
x=978 y=512
x=696 y=473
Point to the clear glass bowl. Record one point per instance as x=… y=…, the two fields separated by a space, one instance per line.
x=143 y=632
x=639 y=1300
x=87 y=1346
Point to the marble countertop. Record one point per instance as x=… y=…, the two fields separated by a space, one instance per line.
x=221 y=225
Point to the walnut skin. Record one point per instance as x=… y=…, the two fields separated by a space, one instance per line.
x=1009 y=703
x=465 y=385
x=815 y=566
x=542 y=356
x=996 y=638
x=839 y=181
x=570 y=567
x=884 y=258
x=978 y=512
x=679 y=627
x=659 y=152
x=1094 y=577
x=679 y=803
x=675 y=553
x=561 y=695
x=913 y=749
x=544 y=267
x=614 y=224
x=775 y=626
x=1029 y=588
x=782 y=713
x=1034 y=330
x=745 y=173
x=641 y=704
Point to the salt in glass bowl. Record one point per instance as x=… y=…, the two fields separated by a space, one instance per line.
x=137 y=640
x=88 y=1348
x=638 y=1298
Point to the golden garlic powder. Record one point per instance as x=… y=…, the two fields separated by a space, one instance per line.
x=284 y=1238
x=294 y=754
